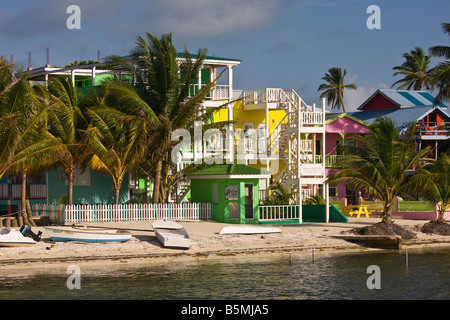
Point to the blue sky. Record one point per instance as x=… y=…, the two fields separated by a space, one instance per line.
x=282 y=43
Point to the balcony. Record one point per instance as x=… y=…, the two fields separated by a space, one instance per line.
x=330 y=159
x=217 y=93
x=433 y=130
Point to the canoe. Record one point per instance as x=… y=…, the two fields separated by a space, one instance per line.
x=14 y=238
x=171 y=234
x=248 y=230
x=374 y=241
x=87 y=234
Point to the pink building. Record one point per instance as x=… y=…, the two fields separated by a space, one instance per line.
x=338 y=128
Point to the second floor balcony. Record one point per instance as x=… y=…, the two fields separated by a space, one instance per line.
x=433 y=130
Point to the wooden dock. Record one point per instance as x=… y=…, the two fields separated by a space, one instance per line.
x=375 y=241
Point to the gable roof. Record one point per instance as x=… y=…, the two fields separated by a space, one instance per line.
x=330 y=117
x=400 y=116
x=405 y=98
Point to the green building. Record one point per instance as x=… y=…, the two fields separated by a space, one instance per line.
x=233 y=189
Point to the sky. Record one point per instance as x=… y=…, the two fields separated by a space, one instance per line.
x=282 y=43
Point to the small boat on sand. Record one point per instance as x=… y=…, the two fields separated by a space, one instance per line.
x=171 y=234
x=375 y=241
x=87 y=234
x=14 y=238
x=245 y=229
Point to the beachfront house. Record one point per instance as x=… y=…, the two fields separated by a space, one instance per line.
x=406 y=106
x=403 y=107
x=49 y=187
x=233 y=190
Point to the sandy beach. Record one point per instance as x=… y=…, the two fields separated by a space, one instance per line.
x=206 y=245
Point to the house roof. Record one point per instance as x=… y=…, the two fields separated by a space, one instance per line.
x=405 y=98
x=330 y=117
x=229 y=170
x=195 y=56
x=400 y=116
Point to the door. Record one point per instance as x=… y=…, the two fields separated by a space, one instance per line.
x=352 y=196
x=249 y=214
x=233 y=210
x=249 y=141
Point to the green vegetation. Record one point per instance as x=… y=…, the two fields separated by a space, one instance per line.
x=333 y=89
x=380 y=163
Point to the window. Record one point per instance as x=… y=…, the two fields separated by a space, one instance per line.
x=332 y=191
x=345 y=143
x=215 y=193
x=82 y=178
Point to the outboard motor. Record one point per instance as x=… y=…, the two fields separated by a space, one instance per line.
x=26 y=232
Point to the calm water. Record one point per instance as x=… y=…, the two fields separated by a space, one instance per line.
x=328 y=277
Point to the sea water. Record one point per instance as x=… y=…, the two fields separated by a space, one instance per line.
x=424 y=275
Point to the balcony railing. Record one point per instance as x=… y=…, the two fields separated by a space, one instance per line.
x=217 y=93
x=433 y=129
x=34 y=191
x=330 y=159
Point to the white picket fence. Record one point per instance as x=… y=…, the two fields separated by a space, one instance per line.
x=124 y=212
x=137 y=212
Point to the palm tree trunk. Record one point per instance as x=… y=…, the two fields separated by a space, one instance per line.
x=157 y=182
x=441 y=210
x=116 y=195
x=70 y=188
x=386 y=217
x=117 y=191
x=23 y=195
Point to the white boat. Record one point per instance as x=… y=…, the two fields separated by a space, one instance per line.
x=87 y=234
x=14 y=238
x=171 y=234
x=246 y=229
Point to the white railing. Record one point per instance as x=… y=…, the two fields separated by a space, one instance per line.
x=220 y=92
x=217 y=93
x=137 y=212
x=433 y=128
x=278 y=212
x=306 y=118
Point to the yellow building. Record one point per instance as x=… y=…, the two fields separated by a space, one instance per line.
x=269 y=128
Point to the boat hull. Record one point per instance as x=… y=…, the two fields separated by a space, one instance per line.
x=61 y=234
x=171 y=234
x=14 y=238
x=248 y=230
x=375 y=241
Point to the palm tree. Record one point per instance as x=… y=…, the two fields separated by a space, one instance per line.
x=433 y=183
x=441 y=72
x=415 y=70
x=333 y=89
x=159 y=93
x=67 y=122
x=26 y=146
x=380 y=163
x=24 y=140
x=279 y=195
x=116 y=140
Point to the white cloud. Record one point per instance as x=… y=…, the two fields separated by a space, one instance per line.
x=211 y=17
x=354 y=98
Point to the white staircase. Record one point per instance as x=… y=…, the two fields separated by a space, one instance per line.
x=293 y=141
